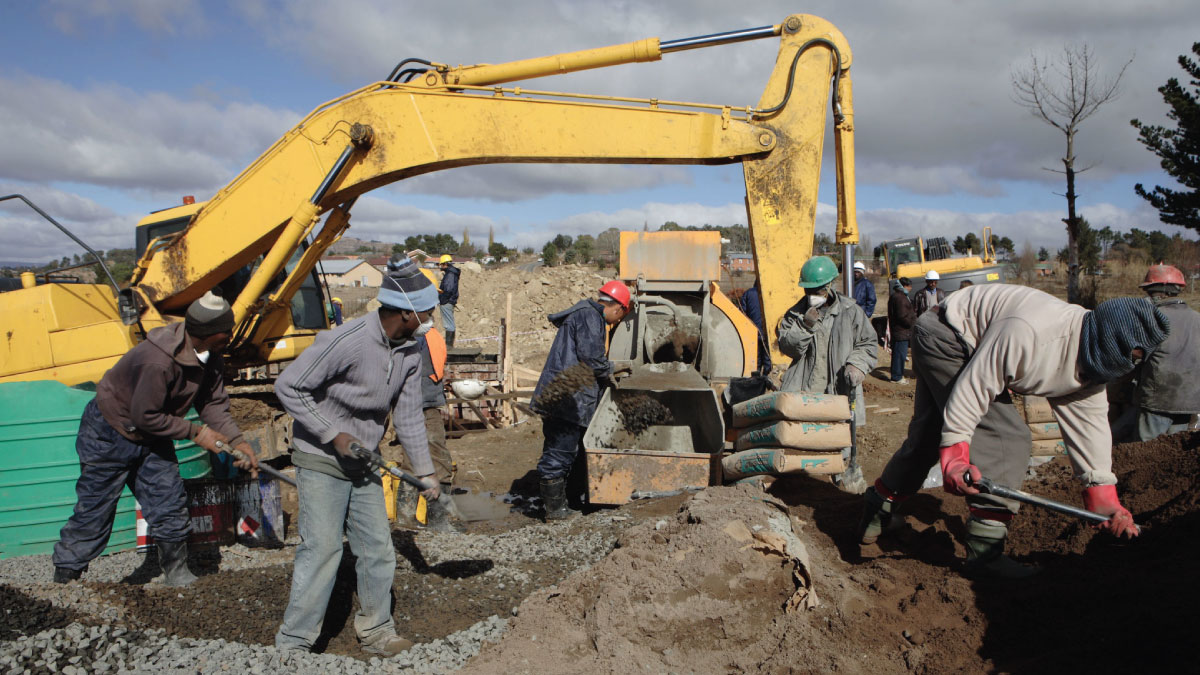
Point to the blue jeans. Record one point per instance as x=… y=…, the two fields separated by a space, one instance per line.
x=329 y=505
x=447 y=317
x=108 y=462
x=560 y=449
x=899 y=354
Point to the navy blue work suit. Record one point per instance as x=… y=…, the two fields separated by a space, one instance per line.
x=864 y=295
x=751 y=305
x=580 y=339
x=108 y=462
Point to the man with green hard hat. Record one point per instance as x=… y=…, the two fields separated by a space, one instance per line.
x=831 y=343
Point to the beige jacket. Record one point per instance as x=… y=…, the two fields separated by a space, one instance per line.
x=1028 y=341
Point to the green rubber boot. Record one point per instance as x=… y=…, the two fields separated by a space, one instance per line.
x=985 y=552
x=554 y=496
x=876 y=517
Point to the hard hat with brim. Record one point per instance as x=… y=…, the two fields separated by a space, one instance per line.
x=932 y=275
x=1163 y=274
x=817 y=272
x=445 y=259
x=860 y=267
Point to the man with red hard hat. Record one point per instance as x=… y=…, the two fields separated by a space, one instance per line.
x=1168 y=388
x=567 y=406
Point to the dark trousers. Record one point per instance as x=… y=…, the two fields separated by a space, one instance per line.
x=561 y=447
x=108 y=462
x=899 y=356
x=1000 y=445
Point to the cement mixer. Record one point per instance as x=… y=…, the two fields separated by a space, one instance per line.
x=683 y=338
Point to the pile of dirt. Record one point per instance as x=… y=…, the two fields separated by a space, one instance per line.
x=536 y=294
x=639 y=412
x=25 y=615
x=691 y=594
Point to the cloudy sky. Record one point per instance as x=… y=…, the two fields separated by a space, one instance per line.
x=115 y=108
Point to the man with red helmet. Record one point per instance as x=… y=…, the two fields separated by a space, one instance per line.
x=567 y=401
x=1168 y=386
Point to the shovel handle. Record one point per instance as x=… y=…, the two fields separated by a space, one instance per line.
x=265 y=468
x=987 y=486
x=376 y=463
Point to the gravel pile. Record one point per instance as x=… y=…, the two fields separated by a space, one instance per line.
x=102 y=649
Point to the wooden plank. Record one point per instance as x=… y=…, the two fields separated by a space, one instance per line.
x=484 y=418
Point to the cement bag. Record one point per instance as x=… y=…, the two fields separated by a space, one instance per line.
x=791 y=405
x=1045 y=431
x=814 y=463
x=1049 y=447
x=1037 y=410
x=801 y=435
x=752 y=463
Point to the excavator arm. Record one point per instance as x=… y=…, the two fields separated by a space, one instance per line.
x=451 y=117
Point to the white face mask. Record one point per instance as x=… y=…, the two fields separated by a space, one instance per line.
x=202 y=356
x=815 y=301
x=424 y=328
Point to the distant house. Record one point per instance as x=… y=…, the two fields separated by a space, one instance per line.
x=488 y=259
x=355 y=272
x=740 y=262
x=418 y=255
x=379 y=262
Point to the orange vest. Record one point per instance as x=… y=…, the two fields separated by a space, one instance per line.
x=437 y=353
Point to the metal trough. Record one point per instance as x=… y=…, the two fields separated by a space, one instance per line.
x=680 y=455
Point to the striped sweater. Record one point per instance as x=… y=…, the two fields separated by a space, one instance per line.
x=348 y=381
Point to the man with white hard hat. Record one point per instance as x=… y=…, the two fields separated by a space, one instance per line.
x=929 y=296
x=864 y=290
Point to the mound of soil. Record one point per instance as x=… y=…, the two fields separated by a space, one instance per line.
x=640 y=412
x=25 y=615
x=689 y=596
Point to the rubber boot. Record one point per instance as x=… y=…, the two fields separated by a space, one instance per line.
x=173 y=557
x=876 y=517
x=449 y=338
x=985 y=552
x=554 y=497
x=62 y=575
x=440 y=515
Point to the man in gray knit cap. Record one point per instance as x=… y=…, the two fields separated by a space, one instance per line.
x=127 y=435
x=340 y=391
x=969 y=352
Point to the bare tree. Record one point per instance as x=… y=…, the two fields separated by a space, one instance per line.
x=1064 y=92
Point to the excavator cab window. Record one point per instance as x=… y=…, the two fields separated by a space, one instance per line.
x=148 y=233
x=902 y=251
x=308 y=304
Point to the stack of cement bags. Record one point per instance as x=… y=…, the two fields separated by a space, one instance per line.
x=788 y=432
x=1047 y=436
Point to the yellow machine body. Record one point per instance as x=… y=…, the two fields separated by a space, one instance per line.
x=451 y=117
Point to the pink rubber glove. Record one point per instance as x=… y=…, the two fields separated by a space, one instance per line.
x=956 y=463
x=1102 y=499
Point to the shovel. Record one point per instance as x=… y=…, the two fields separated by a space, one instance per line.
x=265 y=468
x=986 y=486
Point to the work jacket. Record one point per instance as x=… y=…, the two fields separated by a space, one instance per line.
x=347 y=382
x=1169 y=380
x=433 y=369
x=145 y=396
x=920 y=299
x=580 y=339
x=1025 y=340
x=852 y=342
x=448 y=291
x=864 y=295
x=901 y=315
x=751 y=305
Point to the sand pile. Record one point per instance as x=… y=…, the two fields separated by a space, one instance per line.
x=695 y=594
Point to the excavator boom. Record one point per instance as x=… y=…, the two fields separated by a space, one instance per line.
x=450 y=117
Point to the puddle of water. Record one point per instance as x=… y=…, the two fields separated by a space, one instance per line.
x=476 y=506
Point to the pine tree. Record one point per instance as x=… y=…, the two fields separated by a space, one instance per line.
x=1177 y=149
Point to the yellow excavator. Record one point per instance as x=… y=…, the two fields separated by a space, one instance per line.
x=914 y=257
x=261 y=236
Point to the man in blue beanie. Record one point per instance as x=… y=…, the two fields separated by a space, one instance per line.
x=969 y=352
x=340 y=391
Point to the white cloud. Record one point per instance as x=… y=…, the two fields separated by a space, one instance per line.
x=26 y=236
x=111 y=136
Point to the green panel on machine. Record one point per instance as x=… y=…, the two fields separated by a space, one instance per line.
x=39 y=467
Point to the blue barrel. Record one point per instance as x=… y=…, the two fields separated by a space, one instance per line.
x=38 y=468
